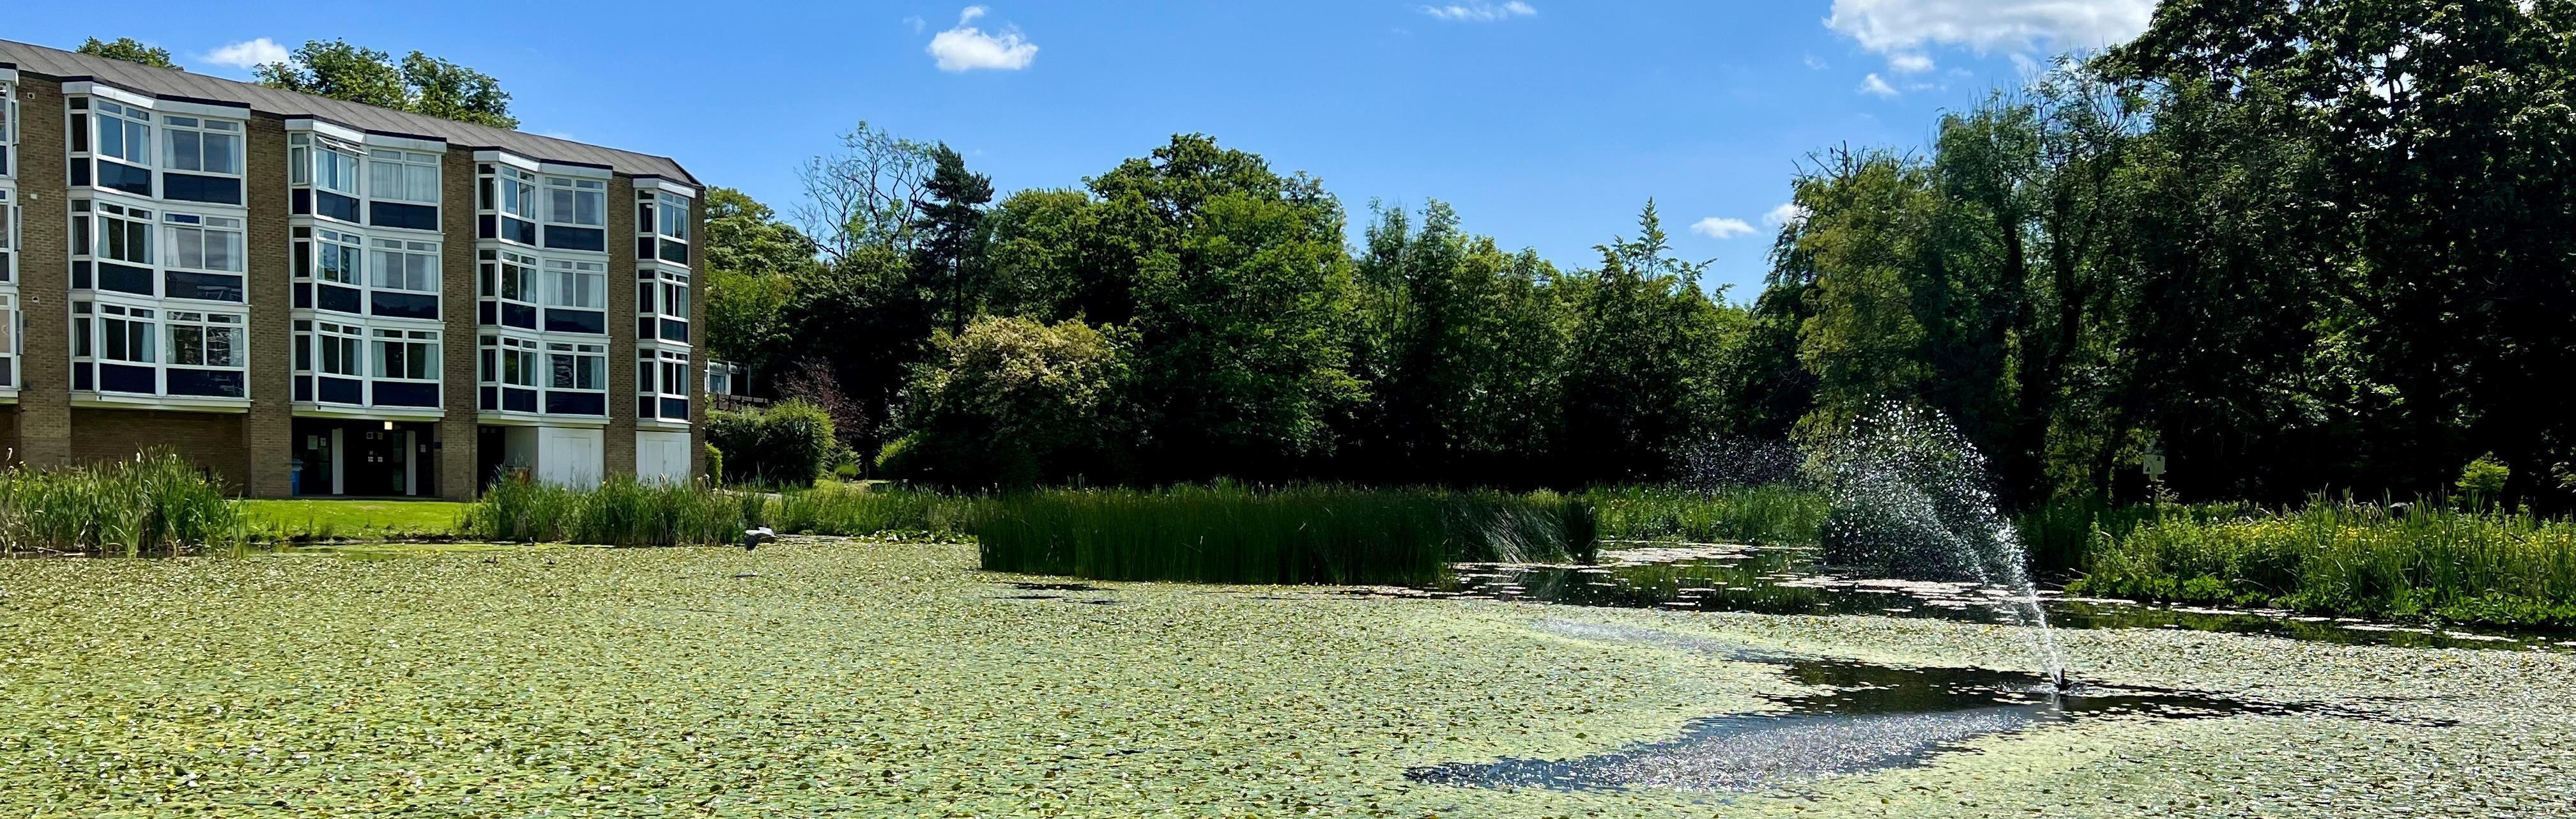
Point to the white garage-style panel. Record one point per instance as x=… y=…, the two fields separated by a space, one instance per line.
x=661 y=457
x=571 y=456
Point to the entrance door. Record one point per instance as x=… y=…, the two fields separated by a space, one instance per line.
x=378 y=461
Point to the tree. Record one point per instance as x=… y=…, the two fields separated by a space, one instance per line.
x=1040 y=252
x=1011 y=403
x=420 y=83
x=130 y=50
x=949 y=259
x=866 y=196
x=752 y=264
x=1638 y=391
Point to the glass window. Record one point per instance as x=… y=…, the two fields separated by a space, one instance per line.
x=203 y=145
x=124 y=133
x=408 y=355
x=403 y=176
x=202 y=242
x=339 y=349
x=509 y=276
x=577 y=366
x=335 y=169
x=124 y=234
x=576 y=284
x=673 y=216
x=519 y=193
x=509 y=361
x=406 y=265
x=336 y=256
x=206 y=340
x=127 y=334
x=572 y=201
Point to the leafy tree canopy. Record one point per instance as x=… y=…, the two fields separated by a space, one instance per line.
x=418 y=83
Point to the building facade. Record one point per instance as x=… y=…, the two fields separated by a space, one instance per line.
x=317 y=298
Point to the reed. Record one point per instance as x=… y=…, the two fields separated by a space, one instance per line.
x=853 y=509
x=1766 y=515
x=1315 y=534
x=619 y=512
x=154 y=504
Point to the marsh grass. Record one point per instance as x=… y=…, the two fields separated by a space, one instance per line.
x=619 y=512
x=154 y=504
x=835 y=508
x=1767 y=515
x=2426 y=561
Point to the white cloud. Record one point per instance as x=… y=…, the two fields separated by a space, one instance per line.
x=1874 y=84
x=967 y=48
x=916 y=23
x=248 y=53
x=1480 y=11
x=1817 y=64
x=1787 y=213
x=1719 y=227
x=1903 y=29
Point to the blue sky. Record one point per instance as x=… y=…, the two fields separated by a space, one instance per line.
x=1546 y=123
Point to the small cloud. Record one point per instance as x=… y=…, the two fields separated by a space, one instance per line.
x=967 y=48
x=1479 y=11
x=916 y=23
x=1788 y=213
x=1815 y=63
x=1910 y=62
x=1874 y=84
x=247 y=54
x=1904 y=29
x=1719 y=227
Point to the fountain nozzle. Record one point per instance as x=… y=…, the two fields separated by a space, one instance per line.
x=2060 y=680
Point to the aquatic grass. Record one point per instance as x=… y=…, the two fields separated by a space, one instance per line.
x=1764 y=515
x=1230 y=533
x=835 y=508
x=619 y=512
x=153 y=504
x=2340 y=557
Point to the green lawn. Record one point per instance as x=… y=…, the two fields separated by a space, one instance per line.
x=352 y=518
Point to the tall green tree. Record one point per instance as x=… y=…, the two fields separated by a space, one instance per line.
x=1639 y=388
x=130 y=50
x=418 y=83
x=949 y=259
x=752 y=264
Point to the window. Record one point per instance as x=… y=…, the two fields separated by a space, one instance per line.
x=8 y=127
x=662 y=305
x=582 y=202
x=335 y=169
x=662 y=384
x=406 y=265
x=203 y=242
x=123 y=133
x=8 y=238
x=518 y=193
x=127 y=334
x=196 y=145
x=303 y=347
x=509 y=276
x=205 y=340
x=337 y=349
x=402 y=176
x=124 y=234
x=577 y=366
x=673 y=217
x=509 y=361
x=574 y=284
x=410 y=355
x=336 y=257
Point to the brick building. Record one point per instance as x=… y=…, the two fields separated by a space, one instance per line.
x=314 y=297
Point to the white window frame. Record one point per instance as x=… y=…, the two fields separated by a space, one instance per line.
x=336 y=168
x=417 y=347
x=586 y=360
x=148 y=344
x=134 y=222
x=654 y=286
x=205 y=326
x=517 y=190
x=347 y=341
x=413 y=173
x=8 y=131
x=347 y=247
x=573 y=191
x=396 y=257
x=204 y=130
x=568 y=280
x=496 y=352
x=176 y=226
x=8 y=236
x=657 y=370
x=133 y=131
x=496 y=286
x=12 y=337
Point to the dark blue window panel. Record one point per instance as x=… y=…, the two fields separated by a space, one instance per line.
x=205 y=286
x=576 y=321
x=484 y=311
x=4 y=373
x=343 y=390
x=406 y=394
x=338 y=299
x=80 y=168
x=576 y=238
x=518 y=315
x=576 y=403
x=188 y=187
x=644 y=406
x=80 y=275
x=491 y=398
x=304 y=388
x=127 y=378
x=343 y=208
x=400 y=215
x=486 y=226
x=82 y=379
x=675 y=252
x=118 y=176
x=304 y=295
x=644 y=328
x=123 y=279
x=210 y=383
x=676 y=409
x=644 y=245
x=521 y=231
x=675 y=330
x=514 y=399
x=403 y=305
x=301 y=201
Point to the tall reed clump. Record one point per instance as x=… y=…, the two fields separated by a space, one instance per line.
x=844 y=509
x=154 y=504
x=2061 y=533
x=619 y=512
x=1764 y=515
x=2490 y=567
x=1233 y=534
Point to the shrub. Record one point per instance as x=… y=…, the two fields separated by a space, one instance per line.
x=784 y=445
x=2483 y=479
x=155 y=503
x=1008 y=402
x=715 y=461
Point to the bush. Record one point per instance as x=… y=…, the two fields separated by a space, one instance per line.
x=620 y=512
x=1009 y=403
x=715 y=462
x=156 y=503
x=784 y=445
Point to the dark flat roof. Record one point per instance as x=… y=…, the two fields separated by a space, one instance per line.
x=65 y=66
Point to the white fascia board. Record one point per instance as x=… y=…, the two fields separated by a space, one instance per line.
x=656 y=183
x=333 y=130
x=435 y=146
x=107 y=92
x=582 y=171
x=507 y=158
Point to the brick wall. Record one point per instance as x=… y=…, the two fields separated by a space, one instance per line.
x=455 y=451
x=212 y=441
x=268 y=430
x=44 y=276
x=618 y=451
